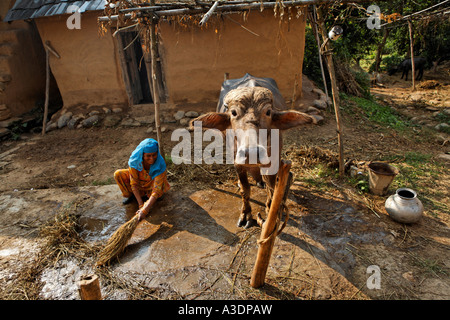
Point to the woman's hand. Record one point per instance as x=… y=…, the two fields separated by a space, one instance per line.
x=142 y=213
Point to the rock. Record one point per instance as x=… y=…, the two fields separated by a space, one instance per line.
x=91 y=121
x=149 y=130
x=185 y=121
x=444 y=156
x=416 y=97
x=117 y=110
x=442 y=139
x=318 y=91
x=442 y=127
x=64 y=119
x=72 y=166
x=146 y=120
x=112 y=120
x=313 y=110
x=169 y=120
x=130 y=122
x=93 y=113
x=72 y=124
x=432 y=109
x=4 y=132
x=191 y=114
x=163 y=129
x=106 y=110
x=179 y=115
x=446 y=112
x=9 y=122
x=319 y=119
x=320 y=104
x=51 y=126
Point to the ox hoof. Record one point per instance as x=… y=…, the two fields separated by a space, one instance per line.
x=241 y=223
x=261 y=184
x=250 y=223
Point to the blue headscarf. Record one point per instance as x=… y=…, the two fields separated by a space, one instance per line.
x=147 y=146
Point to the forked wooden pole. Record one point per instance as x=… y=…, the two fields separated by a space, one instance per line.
x=89 y=288
x=270 y=226
x=155 y=82
x=334 y=88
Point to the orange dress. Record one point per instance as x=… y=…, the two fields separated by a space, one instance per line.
x=131 y=179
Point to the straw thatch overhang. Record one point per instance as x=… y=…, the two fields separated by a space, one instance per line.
x=132 y=9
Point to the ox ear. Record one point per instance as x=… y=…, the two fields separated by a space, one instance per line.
x=213 y=120
x=288 y=119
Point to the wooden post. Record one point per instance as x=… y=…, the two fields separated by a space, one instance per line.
x=155 y=82
x=334 y=89
x=316 y=35
x=412 y=55
x=89 y=288
x=269 y=230
x=48 y=50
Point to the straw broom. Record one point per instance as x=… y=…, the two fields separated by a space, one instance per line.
x=118 y=241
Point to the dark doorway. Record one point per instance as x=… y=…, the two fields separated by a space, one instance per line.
x=134 y=68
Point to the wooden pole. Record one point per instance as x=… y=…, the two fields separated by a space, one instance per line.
x=334 y=89
x=411 y=41
x=269 y=230
x=316 y=34
x=89 y=288
x=155 y=81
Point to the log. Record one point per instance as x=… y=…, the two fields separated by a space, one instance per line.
x=269 y=230
x=89 y=288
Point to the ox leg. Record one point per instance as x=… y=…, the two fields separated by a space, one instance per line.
x=246 y=211
x=270 y=185
x=256 y=174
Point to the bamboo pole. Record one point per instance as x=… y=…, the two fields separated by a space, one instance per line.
x=334 y=89
x=413 y=66
x=89 y=288
x=270 y=226
x=155 y=81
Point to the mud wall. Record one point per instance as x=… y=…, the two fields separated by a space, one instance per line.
x=195 y=59
x=22 y=66
x=88 y=72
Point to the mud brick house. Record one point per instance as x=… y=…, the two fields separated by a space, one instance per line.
x=22 y=65
x=97 y=69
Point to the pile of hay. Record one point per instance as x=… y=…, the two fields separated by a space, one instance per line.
x=307 y=156
x=429 y=84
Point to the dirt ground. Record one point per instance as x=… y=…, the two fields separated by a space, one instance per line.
x=333 y=236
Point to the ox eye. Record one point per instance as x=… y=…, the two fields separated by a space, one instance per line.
x=268 y=113
x=234 y=113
